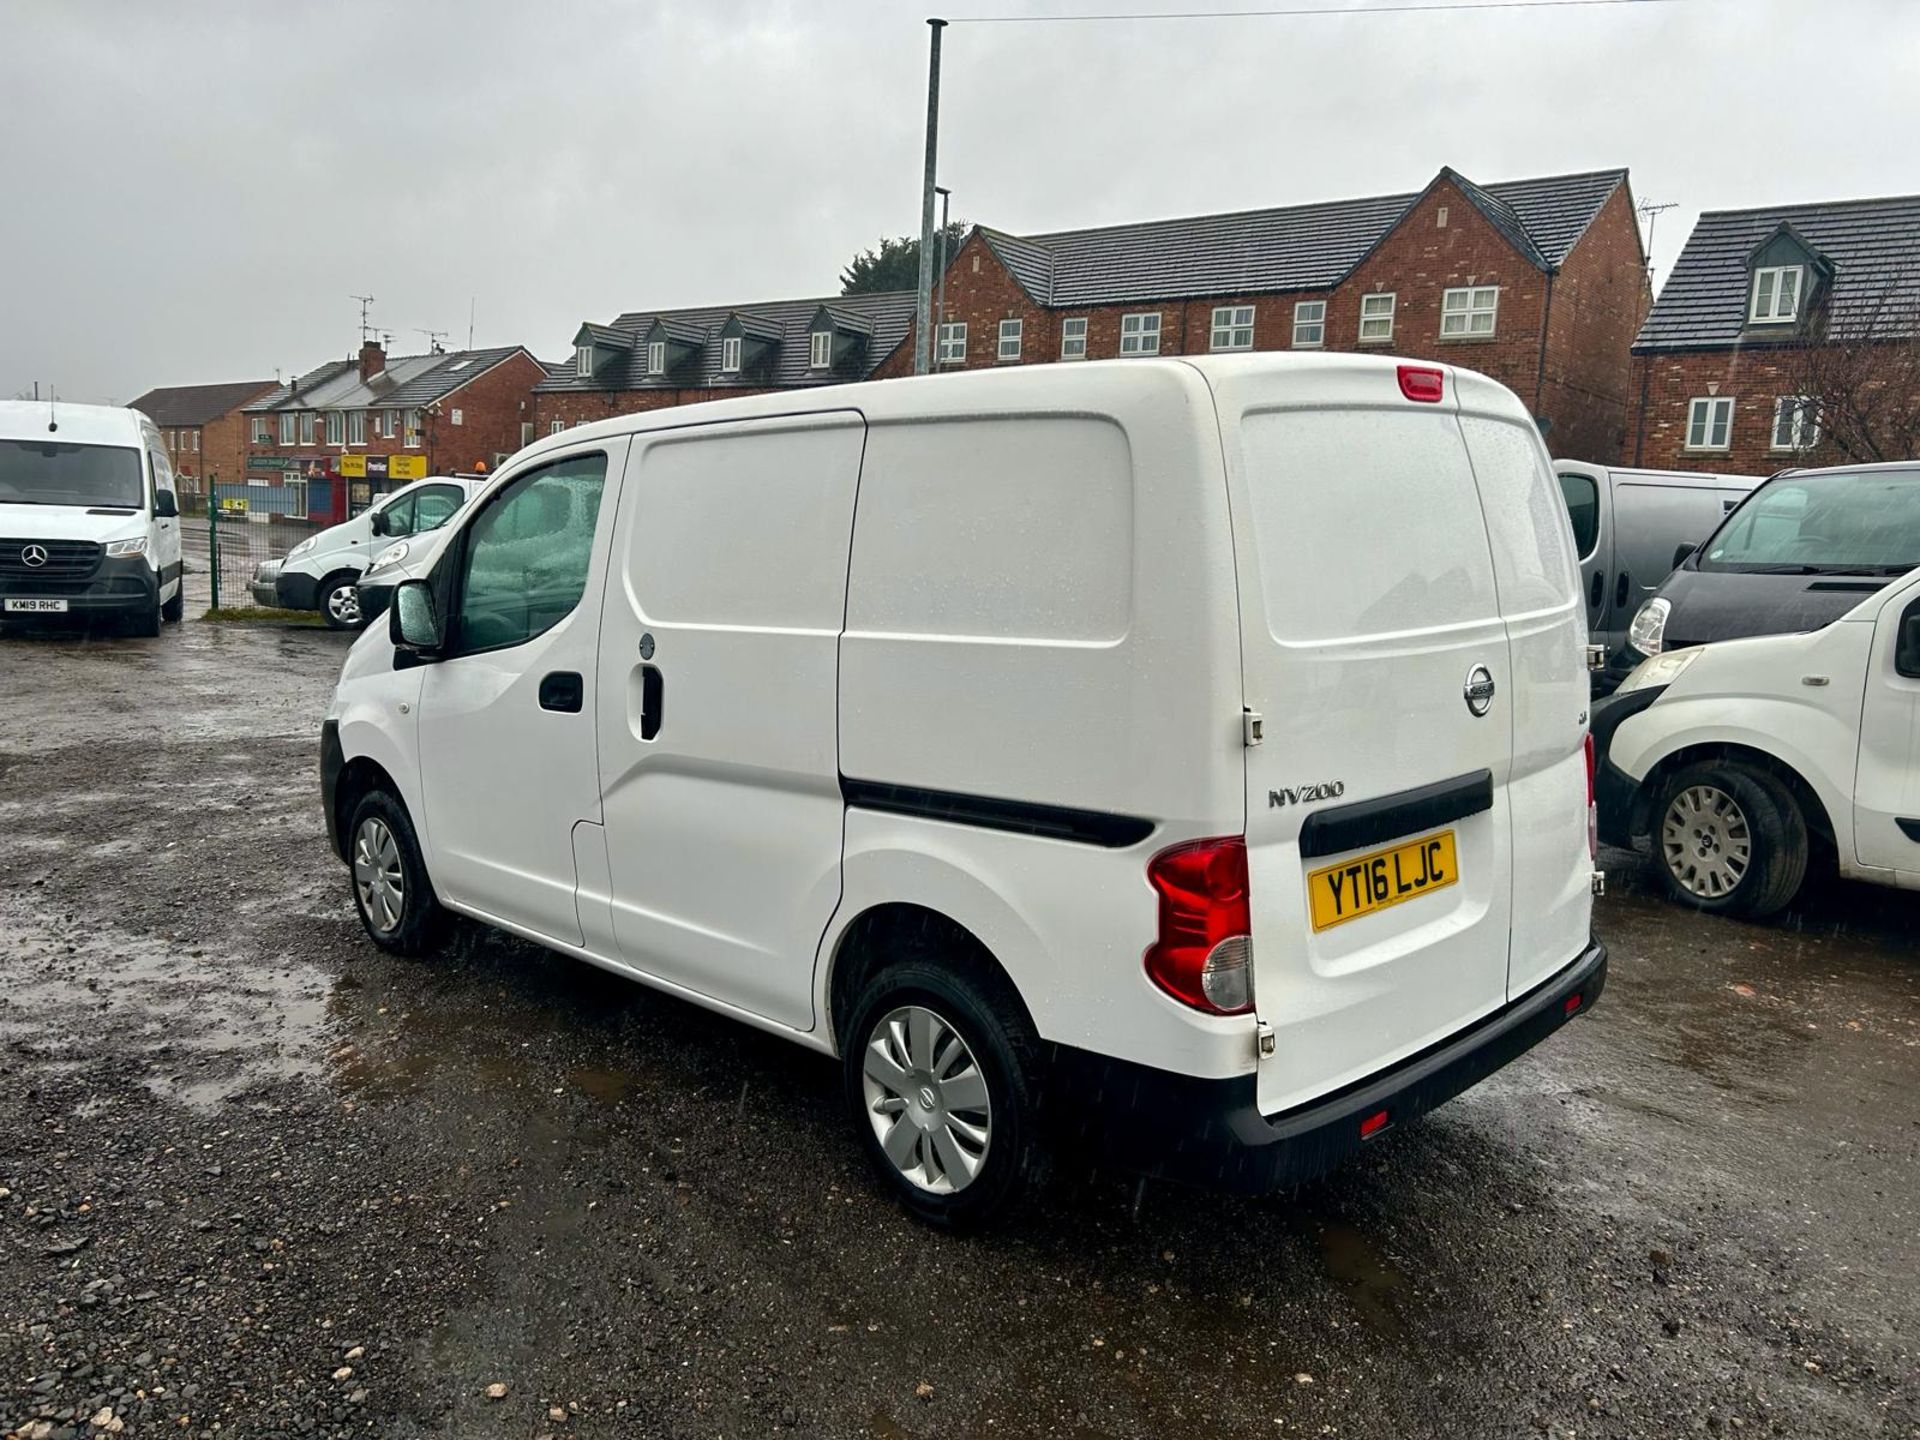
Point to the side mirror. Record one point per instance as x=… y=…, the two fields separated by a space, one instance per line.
x=413 y=623
x=1680 y=556
x=1906 y=656
x=165 y=507
x=377 y=522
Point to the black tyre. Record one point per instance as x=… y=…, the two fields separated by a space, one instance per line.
x=146 y=622
x=174 y=610
x=390 y=885
x=1730 y=839
x=340 y=600
x=942 y=1070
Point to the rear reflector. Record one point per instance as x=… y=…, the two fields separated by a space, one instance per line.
x=1373 y=1124
x=1418 y=382
x=1204 y=952
x=1573 y=1003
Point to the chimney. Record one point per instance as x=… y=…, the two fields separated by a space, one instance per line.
x=372 y=359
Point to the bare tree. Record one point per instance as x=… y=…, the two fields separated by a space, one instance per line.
x=1858 y=364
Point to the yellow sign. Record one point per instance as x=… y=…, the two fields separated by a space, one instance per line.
x=405 y=467
x=1359 y=887
x=354 y=466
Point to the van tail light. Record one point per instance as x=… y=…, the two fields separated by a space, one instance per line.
x=1422 y=382
x=1593 y=809
x=1203 y=954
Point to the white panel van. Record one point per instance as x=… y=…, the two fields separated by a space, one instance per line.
x=89 y=520
x=1186 y=757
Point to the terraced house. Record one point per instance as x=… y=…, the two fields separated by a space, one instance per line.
x=1540 y=283
x=203 y=427
x=370 y=420
x=1788 y=335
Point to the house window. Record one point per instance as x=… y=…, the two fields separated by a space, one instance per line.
x=196 y=441
x=730 y=355
x=820 y=349
x=951 y=344
x=1233 y=327
x=413 y=429
x=393 y=424
x=458 y=417
x=1469 y=310
x=656 y=357
x=526 y=432
x=262 y=432
x=1073 y=338
x=289 y=428
x=1009 y=340
x=356 y=427
x=1140 y=334
x=1796 y=422
x=1776 y=294
x=556 y=427
x=1376 y=318
x=1710 y=422
x=306 y=427
x=336 y=427
x=1309 y=324
x=583 y=360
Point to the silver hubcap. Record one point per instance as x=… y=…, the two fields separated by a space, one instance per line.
x=376 y=875
x=344 y=604
x=1706 y=842
x=927 y=1100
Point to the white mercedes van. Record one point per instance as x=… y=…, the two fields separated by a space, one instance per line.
x=89 y=521
x=1184 y=756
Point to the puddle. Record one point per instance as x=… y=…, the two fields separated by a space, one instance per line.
x=1369 y=1278
x=607 y=1086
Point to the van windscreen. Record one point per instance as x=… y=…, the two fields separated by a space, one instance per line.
x=51 y=472
x=1846 y=521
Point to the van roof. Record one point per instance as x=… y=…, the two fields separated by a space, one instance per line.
x=77 y=424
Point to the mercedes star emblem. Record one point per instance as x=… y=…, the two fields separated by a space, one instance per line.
x=34 y=555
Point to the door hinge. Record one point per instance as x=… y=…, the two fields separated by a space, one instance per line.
x=1599 y=883
x=1596 y=657
x=1252 y=727
x=1263 y=1040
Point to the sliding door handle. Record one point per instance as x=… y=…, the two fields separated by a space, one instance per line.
x=653 y=694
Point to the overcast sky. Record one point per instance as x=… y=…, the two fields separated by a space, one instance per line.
x=193 y=189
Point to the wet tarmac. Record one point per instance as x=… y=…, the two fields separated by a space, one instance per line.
x=241 y=1153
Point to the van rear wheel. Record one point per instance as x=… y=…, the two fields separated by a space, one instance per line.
x=1730 y=839
x=391 y=891
x=940 y=1069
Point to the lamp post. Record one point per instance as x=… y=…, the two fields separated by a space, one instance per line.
x=923 y=308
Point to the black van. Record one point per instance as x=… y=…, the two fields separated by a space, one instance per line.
x=1796 y=554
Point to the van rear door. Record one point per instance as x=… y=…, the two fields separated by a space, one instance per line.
x=1379 y=845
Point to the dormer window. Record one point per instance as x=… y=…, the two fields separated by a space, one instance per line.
x=1776 y=294
x=583 y=361
x=656 y=357
x=730 y=355
x=820 y=351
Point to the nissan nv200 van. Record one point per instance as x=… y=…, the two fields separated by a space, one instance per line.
x=1198 y=743
x=89 y=521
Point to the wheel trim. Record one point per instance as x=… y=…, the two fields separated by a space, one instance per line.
x=1706 y=842
x=927 y=1100
x=377 y=877
x=343 y=604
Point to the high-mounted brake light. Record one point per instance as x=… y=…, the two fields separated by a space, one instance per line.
x=1421 y=382
x=1203 y=955
x=1593 y=809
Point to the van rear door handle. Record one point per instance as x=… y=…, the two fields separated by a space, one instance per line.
x=1598 y=590
x=563 y=691
x=653 y=696
x=1620 y=590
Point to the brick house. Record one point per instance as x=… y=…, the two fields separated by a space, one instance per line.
x=650 y=359
x=1540 y=283
x=371 y=419
x=1784 y=336
x=205 y=433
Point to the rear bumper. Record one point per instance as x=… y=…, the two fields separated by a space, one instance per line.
x=128 y=586
x=1211 y=1132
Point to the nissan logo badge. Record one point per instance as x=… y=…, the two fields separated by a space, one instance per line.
x=1479 y=690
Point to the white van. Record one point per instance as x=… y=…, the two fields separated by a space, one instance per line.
x=1739 y=760
x=1198 y=743
x=89 y=522
x=322 y=571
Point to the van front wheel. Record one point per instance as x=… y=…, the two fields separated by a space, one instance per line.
x=940 y=1074
x=340 y=600
x=391 y=891
x=1730 y=839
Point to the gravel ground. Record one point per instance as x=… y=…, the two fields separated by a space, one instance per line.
x=257 y=1179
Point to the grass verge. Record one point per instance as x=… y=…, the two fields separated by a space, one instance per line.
x=264 y=615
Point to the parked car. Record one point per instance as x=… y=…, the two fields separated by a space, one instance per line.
x=1629 y=526
x=322 y=572
x=1741 y=760
x=1204 y=740
x=403 y=560
x=89 y=522
x=1798 y=553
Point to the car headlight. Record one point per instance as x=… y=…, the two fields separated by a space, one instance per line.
x=1661 y=670
x=302 y=548
x=119 y=548
x=1648 y=633
x=392 y=555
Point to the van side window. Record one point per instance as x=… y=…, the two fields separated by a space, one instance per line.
x=1583 y=508
x=397 y=519
x=433 y=505
x=526 y=556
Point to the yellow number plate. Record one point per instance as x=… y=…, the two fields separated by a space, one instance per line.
x=1373 y=882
